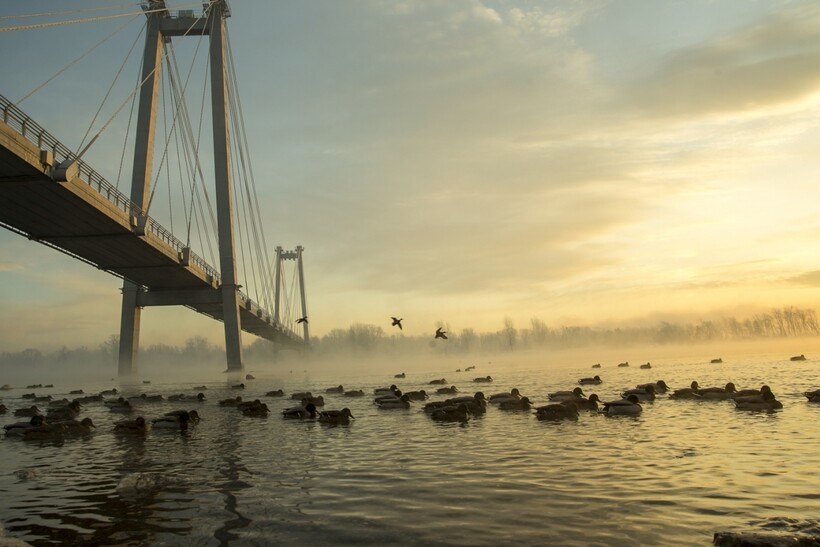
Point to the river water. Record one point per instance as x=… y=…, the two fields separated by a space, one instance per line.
x=674 y=475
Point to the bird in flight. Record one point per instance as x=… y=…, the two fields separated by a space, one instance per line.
x=441 y=333
x=397 y=322
x=302 y=320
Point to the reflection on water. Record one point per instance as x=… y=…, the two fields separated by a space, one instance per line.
x=673 y=475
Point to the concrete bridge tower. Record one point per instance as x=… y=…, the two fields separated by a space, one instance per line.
x=162 y=26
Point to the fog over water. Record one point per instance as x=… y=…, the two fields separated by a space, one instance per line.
x=674 y=475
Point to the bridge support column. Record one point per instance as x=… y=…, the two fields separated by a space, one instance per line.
x=129 y=329
x=233 y=327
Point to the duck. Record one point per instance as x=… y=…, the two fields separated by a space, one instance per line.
x=77 y=392
x=435 y=405
x=483 y=379
x=238 y=386
x=514 y=393
x=299 y=395
x=400 y=375
x=751 y=394
x=173 y=420
x=337 y=389
x=19 y=428
x=75 y=428
x=451 y=413
x=250 y=377
x=624 y=407
x=122 y=406
x=813 y=396
x=387 y=396
x=317 y=401
x=275 y=393
x=300 y=412
x=690 y=392
x=646 y=366
x=565 y=410
x=440 y=381
x=67 y=412
x=401 y=402
x=596 y=365
x=200 y=388
x=478 y=397
x=336 y=417
x=716 y=360
x=5 y=387
x=594 y=381
x=177 y=397
x=646 y=393
x=521 y=404
x=624 y=364
x=254 y=408
x=447 y=390
x=386 y=390
x=43 y=431
x=800 y=357
x=28 y=396
x=3 y=408
x=717 y=393
x=420 y=395
x=112 y=391
x=137 y=425
x=397 y=322
x=659 y=386
x=43 y=399
x=590 y=403
x=559 y=396
x=354 y=393
x=767 y=403
x=57 y=403
x=28 y=412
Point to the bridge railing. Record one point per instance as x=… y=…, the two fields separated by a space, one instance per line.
x=34 y=132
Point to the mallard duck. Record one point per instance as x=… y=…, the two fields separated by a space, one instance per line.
x=743 y=393
x=659 y=386
x=420 y=395
x=483 y=379
x=173 y=420
x=254 y=408
x=624 y=364
x=200 y=388
x=275 y=393
x=336 y=417
x=28 y=396
x=238 y=386
x=565 y=410
x=230 y=402
x=57 y=403
x=594 y=381
x=387 y=396
x=813 y=396
x=3 y=408
x=299 y=395
x=112 y=391
x=434 y=405
x=123 y=407
x=686 y=392
x=28 y=412
x=177 y=397
x=75 y=428
x=800 y=357
x=137 y=425
x=717 y=393
x=767 y=403
x=19 y=428
x=716 y=360
x=646 y=366
x=400 y=375
x=43 y=431
x=478 y=397
x=623 y=407
x=401 y=402
x=498 y=397
x=596 y=365
x=590 y=403
x=250 y=377
x=317 y=400
x=337 y=389
x=77 y=392
x=646 y=393
x=43 y=399
x=386 y=390
x=440 y=381
x=67 y=412
x=447 y=390
x=515 y=404
x=300 y=412
x=559 y=396
x=354 y=393
x=451 y=413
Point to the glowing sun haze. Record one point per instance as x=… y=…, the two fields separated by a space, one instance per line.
x=466 y=161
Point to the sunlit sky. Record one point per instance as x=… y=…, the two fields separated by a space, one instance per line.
x=584 y=162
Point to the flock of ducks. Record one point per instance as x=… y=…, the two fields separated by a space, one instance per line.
x=60 y=419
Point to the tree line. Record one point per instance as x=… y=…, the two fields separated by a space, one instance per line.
x=363 y=338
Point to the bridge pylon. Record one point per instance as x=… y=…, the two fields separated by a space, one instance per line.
x=162 y=26
x=282 y=255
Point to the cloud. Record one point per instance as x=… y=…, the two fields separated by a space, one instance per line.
x=770 y=63
x=10 y=266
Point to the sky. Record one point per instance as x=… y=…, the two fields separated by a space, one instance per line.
x=467 y=161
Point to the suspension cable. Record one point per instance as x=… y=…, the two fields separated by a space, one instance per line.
x=77 y=21
x=75 y=61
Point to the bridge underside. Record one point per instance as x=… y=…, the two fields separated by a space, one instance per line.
x=93 y=222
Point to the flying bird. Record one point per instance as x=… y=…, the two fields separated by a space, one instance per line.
x=302 y=320
x=441 y=334
x=397 y=322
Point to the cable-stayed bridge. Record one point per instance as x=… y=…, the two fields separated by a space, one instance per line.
x=49 y=194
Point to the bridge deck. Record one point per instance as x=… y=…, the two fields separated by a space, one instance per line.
x=90 y=220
